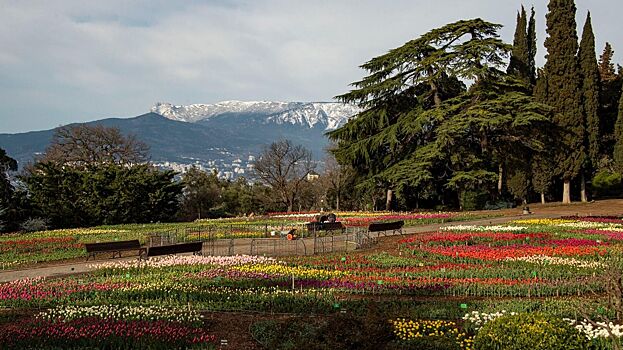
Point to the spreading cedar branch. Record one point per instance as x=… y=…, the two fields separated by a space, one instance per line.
x=421 y=127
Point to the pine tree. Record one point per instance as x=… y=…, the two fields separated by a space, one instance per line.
x=590 y=93
x=618 y=135
x=563 y=89
x=519 y=65
x=606 y=67
x=532 y=47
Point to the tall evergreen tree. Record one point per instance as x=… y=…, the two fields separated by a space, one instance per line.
x=532 y=47
x=606 y=67
x=422 y=131
x=609 y=95
x=519 y=65
x=618 y=136
x=542 y=167
x=590 y=94
x=563 y=91
x=6 y=189
x=389 y=143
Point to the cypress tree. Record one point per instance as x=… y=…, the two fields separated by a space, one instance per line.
x=606 y=67
x=542 y=168
x=590 y=94
x=563 y=89
x=520 y=54
x=618 y=135
x=532 y=47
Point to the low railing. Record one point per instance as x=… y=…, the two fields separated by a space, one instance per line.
x=307 y=243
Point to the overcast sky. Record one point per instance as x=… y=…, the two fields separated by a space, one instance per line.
x=71 y=61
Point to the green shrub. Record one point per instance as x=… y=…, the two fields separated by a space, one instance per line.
x=473 y=200
x=534 y=331
x=337 y=332
x=607 y=184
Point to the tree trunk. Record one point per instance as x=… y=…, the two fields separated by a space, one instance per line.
x=542 y=197
x=500 y=178
x=583 y=188
x=434 y=90
x=566 y=191
x=460 y=200
x=337 y=201
x=388 y=202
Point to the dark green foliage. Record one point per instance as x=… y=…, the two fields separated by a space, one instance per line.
x=606 y=67
x=473 y=199
x=422 y=131
x=542 y=165
x=562 y=90
x=535 y=331
x=337 y=332
x=590 y=90
x=519 y=62
x=207 y=196
x=6 y=189
x=618 y=136
x=10 y=200
x=106 y=194
x=607 y=184
x=611 y=87
x=542 y=172
x=519 y=183
x=201 y=193
x=532 y=47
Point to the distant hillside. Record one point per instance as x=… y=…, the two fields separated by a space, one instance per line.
x=225 y=135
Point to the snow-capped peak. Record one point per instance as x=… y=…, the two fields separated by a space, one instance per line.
x=329 y=114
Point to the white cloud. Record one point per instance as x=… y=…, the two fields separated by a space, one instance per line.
x=66 y=61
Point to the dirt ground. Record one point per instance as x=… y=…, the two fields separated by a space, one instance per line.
x=603 y=207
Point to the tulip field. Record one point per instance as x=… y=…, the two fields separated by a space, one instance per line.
x=432 y=290
x=27 y=249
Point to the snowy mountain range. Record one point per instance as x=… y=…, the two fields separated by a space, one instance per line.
x=211 y=135
x=329 y=115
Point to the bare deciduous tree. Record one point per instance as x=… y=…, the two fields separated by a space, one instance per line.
x=284 y=167
x=94 y=144
x=336 y=176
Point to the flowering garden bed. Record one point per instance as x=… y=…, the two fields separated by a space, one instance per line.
x=18 y=250
x=435 y=288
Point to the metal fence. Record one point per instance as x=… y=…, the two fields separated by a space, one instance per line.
x=271 y=243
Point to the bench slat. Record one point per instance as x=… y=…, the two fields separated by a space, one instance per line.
x=386 y=226
x=192 y=247
x=112 y=246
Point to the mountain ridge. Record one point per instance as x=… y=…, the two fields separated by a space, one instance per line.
x=331 y=115
x=212 y=142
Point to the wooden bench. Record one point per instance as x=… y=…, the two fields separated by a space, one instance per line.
x=325 y=226
x=115 y=247
x=191 y=247
x=394 y=226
